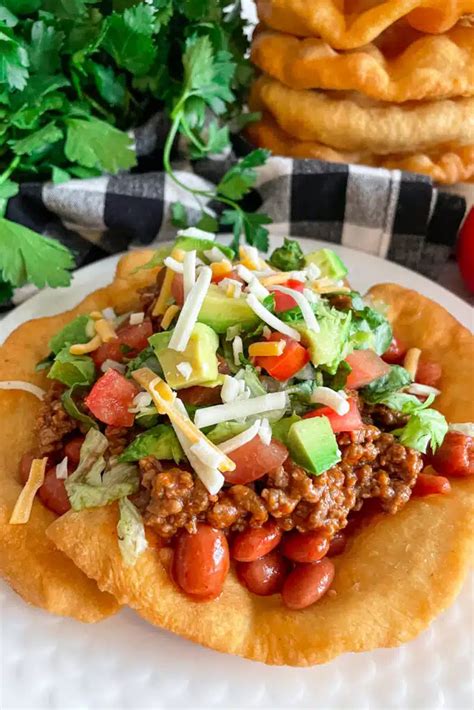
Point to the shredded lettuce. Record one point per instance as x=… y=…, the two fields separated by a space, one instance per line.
x=406 y=403
x=300 y=394
x=281 y=428
x=89 y=486
x=131 y=532
x=147 y=417
x=160 y=442
x=146 y=358
x=251 y=379
x=225 y=430
x=370 y=328
x=72 y=333
x=72 y=369
x=383 y=386
x=45 y=363
x=73 y=410
x=288 y=257
x=426 y=428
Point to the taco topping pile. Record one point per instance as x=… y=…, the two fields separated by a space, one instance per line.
x=249 y=411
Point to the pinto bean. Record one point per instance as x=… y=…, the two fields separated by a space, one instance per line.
x=305 y=547
x=253 y=543
x=201 y=562
x=265 y=575
x=307 y=583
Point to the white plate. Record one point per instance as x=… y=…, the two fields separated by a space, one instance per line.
x=50 y=662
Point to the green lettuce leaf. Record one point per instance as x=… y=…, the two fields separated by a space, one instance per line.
x=69 y=404
x=72 y=333
x=288 y=257
x=72 y=369
x=146 y=358
x=131 y=532
x=225 y=430
x=147 y=417
x=370 y=328
x=406 y=403
x=425 y=428
x=251 y=379
x=383 y=386
x=160 y=442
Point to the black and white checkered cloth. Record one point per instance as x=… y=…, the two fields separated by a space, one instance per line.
x=395 y=215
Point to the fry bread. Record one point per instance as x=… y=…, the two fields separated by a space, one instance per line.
x=430 y=67
x=396 y=575
x=351 y=122
x=346 y=25
x=29 y=562
x=446 y=164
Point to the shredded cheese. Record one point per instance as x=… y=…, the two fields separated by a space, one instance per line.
x=335 y=400
x=109 y=364
x=169 y=316
x=96 y=315
x=189 y=271
x=422 y=390
x=196 y=233
x=185 y=369
x=311 y=296
x=109 y=313
x=237 y=349
x=265 y=432
x=24 y=387
x=266 y=332
x=173 y=264
x=61 y=469
x=249 y=257
x=137 y=318
x=305 y=307
x=141 y=401
x=257 y=289
x=313 y=272
x=207 y=453
x=466 y=428
x=410 y=363
x=190 y=311
x=270 y=319
x=208 y=416
x=240 y=439
x=230 y=389
x=164 y=399
x=105 y=331
x=213 y=254
x=326 y=285
x=267 y=349
x=221 y=268
x=22 y=510
x=165 y=294
x=84 y=348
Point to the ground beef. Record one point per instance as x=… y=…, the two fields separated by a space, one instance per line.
x=373 y=466
x=118 y=438
x=54 y=423
x=341 y=301
x=149 y=294
x=384 y=417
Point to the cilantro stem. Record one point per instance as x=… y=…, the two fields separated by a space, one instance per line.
x=6 y=173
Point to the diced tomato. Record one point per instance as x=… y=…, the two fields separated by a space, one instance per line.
x=177 y=289
x=428 y=484
x=283 y=302
x=53 y=493
x=73 y=450
x=254 y=459
x=110 y=399
x=131 y=339
x=395 y=353
x=428 y=373
x=339 y=422
x=284 y=366
x=455 y=456
x=466 y=251
x=366 y=366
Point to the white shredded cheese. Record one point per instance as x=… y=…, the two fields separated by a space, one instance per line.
x=311 y=296
x=196 y=233
x=213 y=254
x=24 y=386
x=251 y=253
x=61 y=469
x=236 y=285
x=207 y=416
x=466 y=428
x=189 y=271
x=173 y=264
x=266 y=332
x=90 y=329
x=137 y=318
x=190 y=311
x=185 y=369
x=141 y=401
x=109 y=313
x=297 y=275
x=270 y=319
x=207 y=454
x=422 y=390
x=230 y=389
x=240 y=439
x=265 y=432
x=109 y=364
x=335 y=400
x=313 y=272
x=257 y=289
x=303 y=303
x=237 y=349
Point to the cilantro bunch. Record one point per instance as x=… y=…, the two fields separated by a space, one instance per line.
x=76 y=75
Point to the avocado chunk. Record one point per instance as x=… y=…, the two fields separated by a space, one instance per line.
x=328 y=347
x=312 y=444
x=220 y=312
x=200 y=353
x=329 y=262
x=202 y=245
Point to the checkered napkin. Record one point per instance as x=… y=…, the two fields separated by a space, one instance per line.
x=395 y=215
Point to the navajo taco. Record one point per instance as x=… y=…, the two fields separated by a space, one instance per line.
x=245 y=451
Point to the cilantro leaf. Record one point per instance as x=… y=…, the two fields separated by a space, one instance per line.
x=6 y=291
x=96 y=144
x=288 y=257
x=128 y=38
x=13 y=60
x=44 y=50
x=242 y=177
x=38 y=140
x=8 y=189
x=109 y=85
x=406 y=403
x=29 y=257
x=179 y=217
x=383 y=386
x=426 y=428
